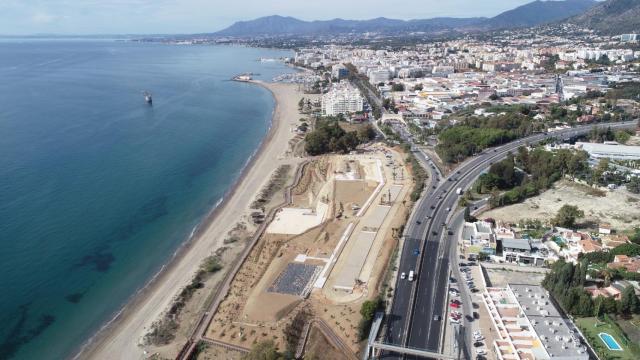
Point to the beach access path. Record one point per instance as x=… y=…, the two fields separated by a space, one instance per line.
x=121 y=338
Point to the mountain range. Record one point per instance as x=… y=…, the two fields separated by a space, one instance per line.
x=611 y=17
x=531 y=14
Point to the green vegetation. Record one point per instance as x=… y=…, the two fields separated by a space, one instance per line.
x=604 y=257
x=211 y=264
x=592 y=326
x=567 y=216
x=330 y=137
x=634 y=235
x=419 y=176
x=565 y=282
x=368 y=311
x=543 y=168
x=474 y=134
x=397 y=87
x=501 y=175
x=264 y=350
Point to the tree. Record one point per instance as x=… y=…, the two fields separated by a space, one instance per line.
x=603 y=166
x=467 y=215
x=264 y=350
x=567 y=216
x=366 y=133
x=397 y=87
x=418 y=87
x=367 y=310
x=629 y=303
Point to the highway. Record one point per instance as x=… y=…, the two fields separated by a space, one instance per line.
x=410 y=321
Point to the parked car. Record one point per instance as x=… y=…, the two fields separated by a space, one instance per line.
x=403 y=276
x=476 y=315
x=468 y=317
x=437 y=317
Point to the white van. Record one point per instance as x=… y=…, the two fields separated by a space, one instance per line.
x=411 y=275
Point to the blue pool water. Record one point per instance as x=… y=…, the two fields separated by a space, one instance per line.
x=611 y=343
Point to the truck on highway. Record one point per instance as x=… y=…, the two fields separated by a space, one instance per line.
x=459 y=191
x=411 y=274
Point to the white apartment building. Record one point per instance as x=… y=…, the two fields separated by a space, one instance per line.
x=378 y=76
x=342 y=99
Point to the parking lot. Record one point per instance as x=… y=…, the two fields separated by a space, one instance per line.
x=466 y=313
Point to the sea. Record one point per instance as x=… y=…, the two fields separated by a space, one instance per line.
x=99 y=189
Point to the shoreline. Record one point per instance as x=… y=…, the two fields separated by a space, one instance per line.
x=120 y=335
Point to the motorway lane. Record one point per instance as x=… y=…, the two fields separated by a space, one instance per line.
x=430 y=288
x=408 y=258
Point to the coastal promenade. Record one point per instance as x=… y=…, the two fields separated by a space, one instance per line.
x=121 y=338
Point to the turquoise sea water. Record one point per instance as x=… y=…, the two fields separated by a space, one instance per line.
x=97 y=189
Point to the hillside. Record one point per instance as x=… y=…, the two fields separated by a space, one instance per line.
x=531 y=14
x=612 y=17
x=538 y=13
x=276 y=25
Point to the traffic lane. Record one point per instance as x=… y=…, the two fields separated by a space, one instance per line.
x=403 y=289
x=408 y=262
x=396 y=320
x=424 y=310
x=430 y=298
x=432 y=340
x=426 y=279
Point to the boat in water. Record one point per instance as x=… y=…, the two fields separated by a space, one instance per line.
x=147 y=98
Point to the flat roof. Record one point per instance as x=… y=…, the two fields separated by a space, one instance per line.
x=555 y=332
x=522 y=244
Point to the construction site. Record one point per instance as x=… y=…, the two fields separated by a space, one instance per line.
x=326 y=252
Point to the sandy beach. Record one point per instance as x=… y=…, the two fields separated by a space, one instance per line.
x=120 y=339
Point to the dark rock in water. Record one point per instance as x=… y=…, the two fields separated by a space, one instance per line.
x=74 y=298
x=19 y=335
x=100 y=259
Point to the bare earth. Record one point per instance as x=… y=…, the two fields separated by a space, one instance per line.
x=614 y=208
x=121 y=339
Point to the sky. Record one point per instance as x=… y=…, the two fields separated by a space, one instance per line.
x=83 y=17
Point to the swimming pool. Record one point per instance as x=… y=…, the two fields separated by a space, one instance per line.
x=611 y=343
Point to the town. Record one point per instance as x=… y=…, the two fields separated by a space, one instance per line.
x=459 y=195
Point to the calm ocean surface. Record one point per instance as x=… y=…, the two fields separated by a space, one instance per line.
x=97 y=190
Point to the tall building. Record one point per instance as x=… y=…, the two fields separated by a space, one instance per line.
x=378 y=76
x=339 y=71
x=342 y=99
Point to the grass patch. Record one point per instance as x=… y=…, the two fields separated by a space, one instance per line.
x=630 y=351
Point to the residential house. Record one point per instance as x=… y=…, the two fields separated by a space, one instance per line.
x=612 y=241
x=604 y=228
x=631 y=264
